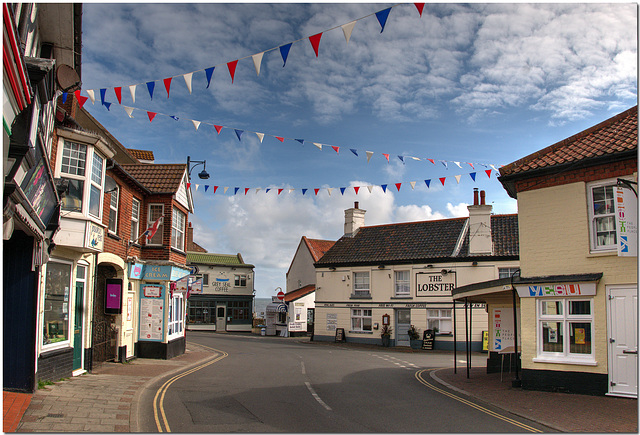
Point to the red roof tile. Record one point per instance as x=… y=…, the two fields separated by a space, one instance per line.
x=141 y=154
x=158 y=178
x=297 y=294
x=317 y=248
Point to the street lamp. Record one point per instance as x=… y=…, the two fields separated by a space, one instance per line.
x=204 y=174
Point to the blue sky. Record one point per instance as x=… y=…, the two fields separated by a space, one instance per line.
x=474 y=83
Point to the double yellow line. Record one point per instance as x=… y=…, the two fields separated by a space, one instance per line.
x=158 y=400
x=418 y=376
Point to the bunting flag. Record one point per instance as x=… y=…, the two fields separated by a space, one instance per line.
x=284 y=52
x=281 y=139
x=129 y=111
x=354 y=151
x=315 y=42
x=384 y=187
x=81 y=99
x=151 y=86
x=103 y=93
x=91 y=95
x=386 y=156
x=398 y=186
x=151 y=115
x=473 y=176
x=413 y=184
x=369 y=154
x=442 y=180
x=187 y=80
x=347 y=29
x=382 y=18
x=239 y=134
x=427 y=182
x=260 y=136
x=300 y=140
x=118 y=92
x=232 y=69
x=196 y=124
x=167 y=85
x=419 y=6
x=132 y=90
x=336 y=149
x=257 y=60
x=209 y=73
x=218 y=128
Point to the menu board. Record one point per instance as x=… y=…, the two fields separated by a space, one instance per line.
x=151 y=319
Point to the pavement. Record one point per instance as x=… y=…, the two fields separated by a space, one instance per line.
x=107 y=399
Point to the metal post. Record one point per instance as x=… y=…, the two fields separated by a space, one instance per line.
x=516 y=382
x=455 y=342
x=470 y=332
x=466 y=333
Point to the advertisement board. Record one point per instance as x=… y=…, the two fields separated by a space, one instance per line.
x=113 y=296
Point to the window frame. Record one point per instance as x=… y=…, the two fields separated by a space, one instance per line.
x=593 y=217
x=114 y=209
x=135 y=221
x=238 y=279
x=439 y=319
x=99 y=186
x=362 y=292
x=362 y=314
x=150 y=222
x=396 y=281
x=70 y=297
x=176 y=316
x=507 y=272
x=566 y=318
x=176 y=231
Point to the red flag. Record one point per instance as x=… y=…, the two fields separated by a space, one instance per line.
x=488 y=171
x=80 y=98
x=442 y=180
x=215 y=188
x=151 y=115
x=281 y=139
x=151 y=231
x=167 y=85
x=218 y=128
x=232 y=68
x=118 y=92
x=315 y=42
x=432 y=161
x=420 y=6
x=398 y=186
x=280 y=191
x=356 y=189
x=336 y=149
x=188 y=185
x=316 y=191
x=386 y=155
x=246 y=189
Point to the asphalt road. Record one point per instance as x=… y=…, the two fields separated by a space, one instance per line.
x=270 y=384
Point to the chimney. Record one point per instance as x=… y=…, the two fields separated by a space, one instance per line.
x=480 y=226
x=353 y=220
x=190 y=238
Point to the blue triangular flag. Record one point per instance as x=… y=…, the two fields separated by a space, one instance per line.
x=102 y=95
x=354 y=151
x=236 y=191
x=304 y=191
x=301 y=141
x=382 y=17
x=107 y=105
x=151 y=86
x=267 y=191
x=64 y=97
x=427 y=182
x=239 y=134
x=209 y=72
x=473 y=175
x=284 y=51
x=384 y=188
x=342 y=189
x=206 y=186
x=174 y=117
x=401 y=159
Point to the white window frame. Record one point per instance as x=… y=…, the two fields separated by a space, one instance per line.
x=402 y=287
x=71 y=297
x=439 y=318
x=593 y=236
x=113 y=210
x=564 y=357
x=135 y=221
x=97 y=184
x=358 y=318
x=178 y=226
x=239 y=279
x=507 y=272
x=150 y=222
x=360 y=287
x=176 y=316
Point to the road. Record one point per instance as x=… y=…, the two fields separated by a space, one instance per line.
x=271 y=384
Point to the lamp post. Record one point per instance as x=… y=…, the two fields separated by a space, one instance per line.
x=204 y=174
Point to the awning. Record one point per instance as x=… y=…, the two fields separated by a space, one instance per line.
x=277 y=308
x=481 y=291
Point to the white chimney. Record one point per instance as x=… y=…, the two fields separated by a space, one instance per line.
x=480 y=226
x=353 y=220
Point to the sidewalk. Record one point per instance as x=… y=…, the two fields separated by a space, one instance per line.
x=106 y=400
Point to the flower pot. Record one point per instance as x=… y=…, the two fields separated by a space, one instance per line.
x=415 y=344
x=386 y=340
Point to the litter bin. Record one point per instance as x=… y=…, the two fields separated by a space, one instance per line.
x=263 y=331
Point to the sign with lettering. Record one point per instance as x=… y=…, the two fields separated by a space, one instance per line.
x=626 y=206
x=503 y=330
x=95 y=236
x=554 y=290
x=435 y=284
x=340 y=335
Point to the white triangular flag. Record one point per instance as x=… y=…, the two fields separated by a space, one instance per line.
x=319 y=145
x=416 y=158
x=196 y=124
x=225 y=189
x=257 y=189
x=132 y=89
x=91 y=95
x=260 y=136
x=187 y=80
x=347 y=29
x=197 y=185
x=458 y=163
x=369 y=154
x=370 y=188
x=257 y=60
x=493 y=167
x=413 y=184
x=129 y=111
x=458 y=178
x=291 y=190
x=329 y=189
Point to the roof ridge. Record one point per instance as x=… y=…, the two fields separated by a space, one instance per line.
x=415 y=222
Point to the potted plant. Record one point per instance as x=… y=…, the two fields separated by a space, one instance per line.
x=414 y=337
x=385 y=333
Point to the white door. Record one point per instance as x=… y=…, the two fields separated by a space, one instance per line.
x=623 y=340
x=221 y=318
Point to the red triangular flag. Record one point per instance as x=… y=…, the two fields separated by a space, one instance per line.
x=356 y=189
x=167 y=84
x=246 y=189
x=118 y=92
x=488 y=171
x=232 y=68
x=188 y=185
x=420 y=6
x=315 y=42
x=280 y=191
x=151 y=115
x=80 y=98
x=215 y=188
x=218 y=128
x=316 y=191
x=398 y=186
x=442 y=180
x=386 y=155
x=336 y=149
x=432 y=161
x=281 y=139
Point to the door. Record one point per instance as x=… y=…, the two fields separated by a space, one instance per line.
x=78 y=318
x=221 y=318
x=623 y=340
x=403 y=323
x=310 y=314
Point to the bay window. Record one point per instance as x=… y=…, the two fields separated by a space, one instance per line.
x=361 y=320
x=565 y=329
x=177 y=229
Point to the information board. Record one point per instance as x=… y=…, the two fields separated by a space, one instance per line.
x=340 y=335
x=428 y=338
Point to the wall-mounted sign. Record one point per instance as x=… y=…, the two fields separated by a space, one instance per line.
x=136 y=271
x=435 y=284
x=554 y=290
x=151 y=319
x=113 y=296
x=152 y=291
x=94 y=236
x=626 y=206
x=297 y=326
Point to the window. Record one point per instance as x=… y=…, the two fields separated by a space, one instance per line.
x=177 y=229
x=205 y=279
x=55 y=323
x=240 y=281
x=361 y=284
x=239 y=310
x=201 y=312
x=402 y=283
x=440 y=319
x=155 y=211
x=360 y=319
x=135 y=220
x=565 y=328
x=507 y=272
x=85 y=181
x=602 y=217
x=95 y=193
x=113 y=211
x=176 y=320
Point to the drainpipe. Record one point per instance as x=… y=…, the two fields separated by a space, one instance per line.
x=516 y=383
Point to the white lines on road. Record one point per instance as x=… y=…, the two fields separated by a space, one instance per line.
x=304 y=371
x=396 y=361
x=315 y=396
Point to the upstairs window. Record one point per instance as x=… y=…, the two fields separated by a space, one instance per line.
x=602 y=217
x=95 y=194
x=240 y=281
x=135 y=220
x=361 y=284
x=156 y=211
x=113 y=211
x=402 y=283
x=177 y=229
x=82 y=167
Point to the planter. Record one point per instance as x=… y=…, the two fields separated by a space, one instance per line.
x=415 y=344
x=386 y=340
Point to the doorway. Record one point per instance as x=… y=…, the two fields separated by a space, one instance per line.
x=403 y=323
x=622 y=323
x=221 y=318
x=78 y=317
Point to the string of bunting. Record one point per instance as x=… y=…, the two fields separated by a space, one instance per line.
x=284 y=50
x=279 y=190
x=239 y=133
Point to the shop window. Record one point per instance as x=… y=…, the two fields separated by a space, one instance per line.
x=565 y=330
x=440 y=320
x=55 y=322
x=239 y=310
x=177 y=229
x=113 y=211
x=155 y=211
x=402 y=288
x=602 y=228
x=176 y=320
x=240 y=280
x=201 y=312
x=135 y=220
x=361 y=284
x=361 y=320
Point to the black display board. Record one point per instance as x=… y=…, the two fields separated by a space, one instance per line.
x=427 y=339
x=340 y=335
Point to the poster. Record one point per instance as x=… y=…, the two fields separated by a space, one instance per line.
x=503 y=330
x=580 y=336
x=151 y=319
x=626 y=206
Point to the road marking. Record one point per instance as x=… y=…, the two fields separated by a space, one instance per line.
x=158 y=405
x=315 y=396
x=304 y=372
x=418 y=376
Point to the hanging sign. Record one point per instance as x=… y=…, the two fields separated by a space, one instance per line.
x=626 y=206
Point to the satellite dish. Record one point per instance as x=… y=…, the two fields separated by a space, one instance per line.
x=67 y=78
x=109 y=184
